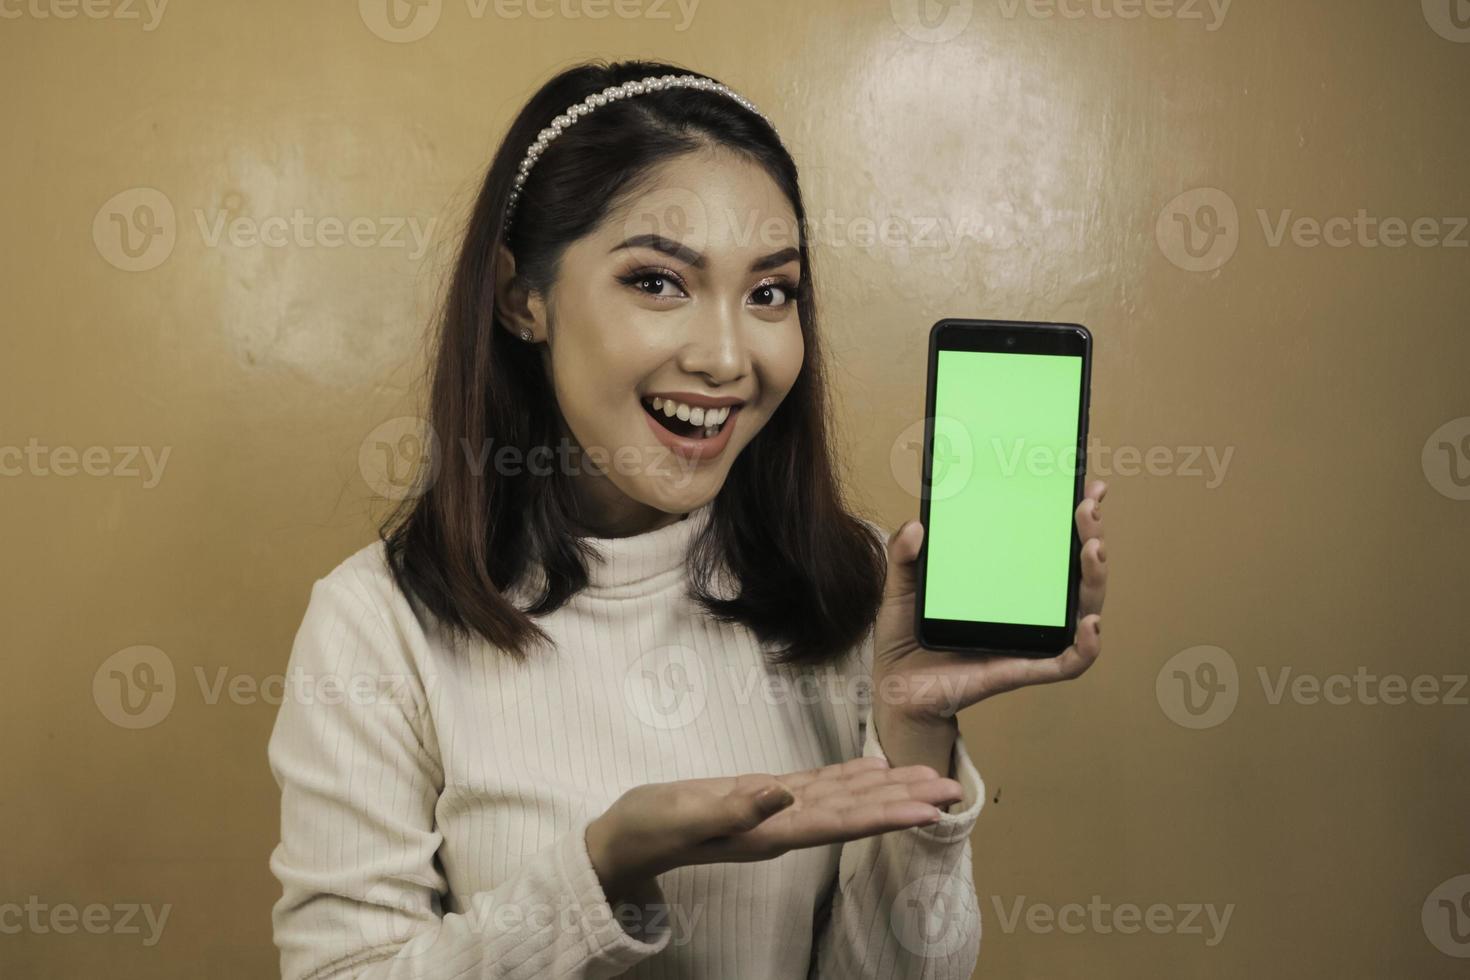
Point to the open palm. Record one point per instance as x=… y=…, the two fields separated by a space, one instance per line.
x=659 y=826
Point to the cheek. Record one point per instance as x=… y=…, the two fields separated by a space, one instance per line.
x=594 y=355
x=610 y=343
x=781 y=357
x=594 y=389
x=597 y=369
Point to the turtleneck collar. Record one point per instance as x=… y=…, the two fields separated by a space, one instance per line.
x=643 y=562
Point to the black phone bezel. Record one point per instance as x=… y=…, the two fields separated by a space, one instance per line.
x=1026 y=337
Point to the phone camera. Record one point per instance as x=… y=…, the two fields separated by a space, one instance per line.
x=1010 y=341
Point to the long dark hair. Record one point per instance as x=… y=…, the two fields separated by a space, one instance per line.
x=809 y=573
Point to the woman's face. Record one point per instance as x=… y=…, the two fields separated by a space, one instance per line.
x=679 y=309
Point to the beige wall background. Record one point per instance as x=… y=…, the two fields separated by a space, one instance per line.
x=193 y=425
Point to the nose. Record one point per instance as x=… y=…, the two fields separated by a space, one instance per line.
x=715 y=346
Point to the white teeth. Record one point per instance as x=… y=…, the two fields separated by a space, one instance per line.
x=709 y=418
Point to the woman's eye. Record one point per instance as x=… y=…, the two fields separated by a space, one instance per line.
x=654 y=284
x=772 y=294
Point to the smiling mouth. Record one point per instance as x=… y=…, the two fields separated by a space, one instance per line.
x=685 y=422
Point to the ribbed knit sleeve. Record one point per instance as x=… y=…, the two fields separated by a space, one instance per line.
x=904 y=905
x=357 y=760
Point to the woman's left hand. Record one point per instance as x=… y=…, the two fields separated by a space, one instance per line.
x=918 y=689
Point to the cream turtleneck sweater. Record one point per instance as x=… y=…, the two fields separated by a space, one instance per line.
x=433 y=806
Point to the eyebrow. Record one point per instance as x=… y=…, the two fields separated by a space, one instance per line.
x=684 y=253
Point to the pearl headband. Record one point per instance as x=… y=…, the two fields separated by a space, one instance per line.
x=611 y=94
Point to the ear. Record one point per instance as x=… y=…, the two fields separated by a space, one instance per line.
x=517 y=307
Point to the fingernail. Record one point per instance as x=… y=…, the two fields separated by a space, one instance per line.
x=1102 y=552
x=774 y=798
x=1097 y=627
x=1096 y=511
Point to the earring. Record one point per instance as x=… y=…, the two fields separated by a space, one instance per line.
x=525 y=335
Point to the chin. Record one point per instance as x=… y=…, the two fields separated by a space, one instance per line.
x=680 y=492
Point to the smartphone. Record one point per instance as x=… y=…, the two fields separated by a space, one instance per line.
x=1004 y=458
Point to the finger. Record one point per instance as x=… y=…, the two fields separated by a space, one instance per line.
x=936 y=792
x=1076 y=659
x=882 y=818
x=903 y=551
x=1094 y=577
x=793 y=828
x=1012 y=672
x=840 y=794
x=798 y=780
x=913 y=774
x=864 y=818
x=1089 y=519
x=738 y=811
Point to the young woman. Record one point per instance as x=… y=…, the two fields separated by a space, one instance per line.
x=625 y=689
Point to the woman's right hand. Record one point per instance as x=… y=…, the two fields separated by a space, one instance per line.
x=660 y=826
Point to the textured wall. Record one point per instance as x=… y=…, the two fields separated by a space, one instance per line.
x=190 y=420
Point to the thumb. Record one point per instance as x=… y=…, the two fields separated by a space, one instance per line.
x=903 y=551
x=747 y=810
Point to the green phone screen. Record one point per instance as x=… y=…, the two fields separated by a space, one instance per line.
x=1001 y=490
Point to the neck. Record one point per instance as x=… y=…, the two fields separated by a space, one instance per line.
x=620 y=519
